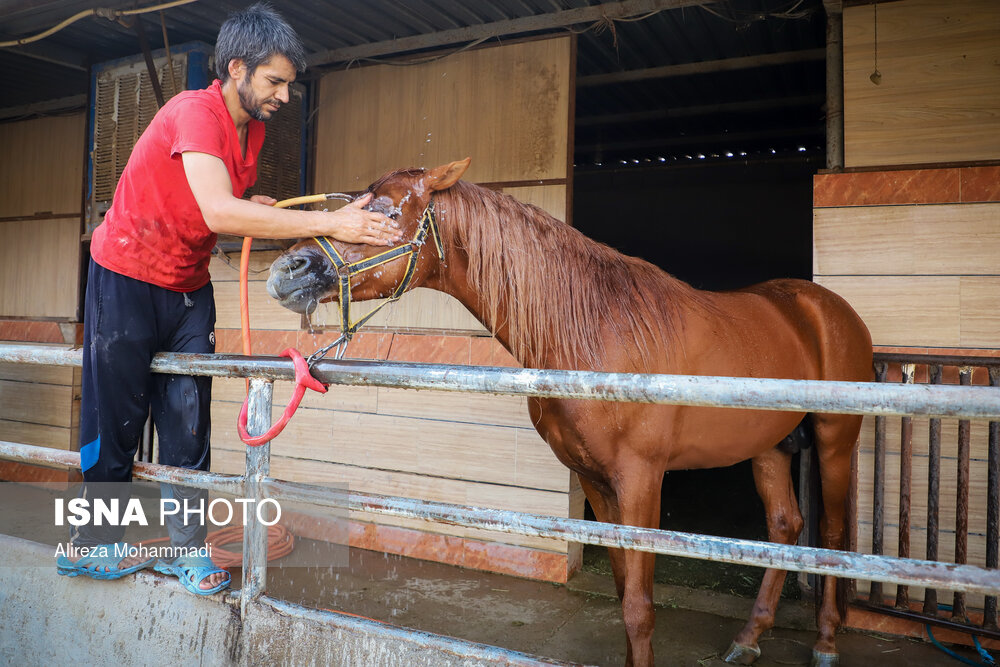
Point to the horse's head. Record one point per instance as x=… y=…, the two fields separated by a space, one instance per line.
x=322 y=269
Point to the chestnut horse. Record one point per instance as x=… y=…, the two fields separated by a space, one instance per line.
x=557 y=299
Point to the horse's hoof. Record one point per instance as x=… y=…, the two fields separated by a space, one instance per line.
x=824 y=659
x=741 y=655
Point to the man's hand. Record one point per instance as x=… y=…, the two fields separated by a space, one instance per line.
x=353 y=224
x=263 y=199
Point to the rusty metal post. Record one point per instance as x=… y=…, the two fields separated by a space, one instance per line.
x=962 y=499
x=933 y=492
x=993 y=507
x=851 y=585
x=258 y=466
x=905 y=488
x=834 y=84
x=878 y=503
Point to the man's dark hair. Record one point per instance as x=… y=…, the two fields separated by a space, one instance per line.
x=254 y=35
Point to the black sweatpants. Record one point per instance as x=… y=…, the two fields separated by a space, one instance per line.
x=126 y=322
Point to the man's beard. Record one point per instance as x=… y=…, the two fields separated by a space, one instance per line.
x=251 y=104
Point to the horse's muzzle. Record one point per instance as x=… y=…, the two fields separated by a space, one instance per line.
x=299 y=282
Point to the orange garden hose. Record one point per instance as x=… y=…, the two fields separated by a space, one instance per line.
x=280 y=543
x=303 y=378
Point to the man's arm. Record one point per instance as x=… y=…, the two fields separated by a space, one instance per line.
x=225 y=214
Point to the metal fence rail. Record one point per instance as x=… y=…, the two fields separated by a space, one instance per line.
x=813 y=560
x=967 y=402
x=729 y=392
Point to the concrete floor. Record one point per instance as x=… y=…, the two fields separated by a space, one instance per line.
x=578 y=622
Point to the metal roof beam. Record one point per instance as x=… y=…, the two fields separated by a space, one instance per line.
x=704 y=67
x=51 y=53
x=551 y=21
x=733 y=139
x=48 y=107
x=700 y=110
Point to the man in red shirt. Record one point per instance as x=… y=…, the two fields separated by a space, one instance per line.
x=148 y=288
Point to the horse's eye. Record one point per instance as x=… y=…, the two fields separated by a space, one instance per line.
x=385 y=206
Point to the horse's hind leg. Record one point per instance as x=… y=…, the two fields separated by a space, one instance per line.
x=836 y=437
x=773 y=478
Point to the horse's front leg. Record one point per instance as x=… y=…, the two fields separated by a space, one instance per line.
x=772 y=476
x=605 y=505
x=638 y=493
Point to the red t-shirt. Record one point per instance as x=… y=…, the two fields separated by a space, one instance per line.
x=154 y=230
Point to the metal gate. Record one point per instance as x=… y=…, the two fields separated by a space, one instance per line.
x=963 y=402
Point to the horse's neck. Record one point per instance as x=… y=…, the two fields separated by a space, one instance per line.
x=455 y=282
x=454 y=279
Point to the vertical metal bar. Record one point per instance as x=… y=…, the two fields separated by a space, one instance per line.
x=878 y=510
x=834 y=84
x=154 y=78
x=851 y=586
x=807 y=536
x=993 y=507
x=962 y=500
x=905 y=488
x=146 y=446
x=933 y=493
x=257 y=467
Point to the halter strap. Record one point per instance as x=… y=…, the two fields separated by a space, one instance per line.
x=346 y=270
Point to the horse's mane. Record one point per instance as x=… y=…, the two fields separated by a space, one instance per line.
x=564 y=291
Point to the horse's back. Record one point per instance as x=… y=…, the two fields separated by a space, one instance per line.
x=784 y=328
x=841 y=341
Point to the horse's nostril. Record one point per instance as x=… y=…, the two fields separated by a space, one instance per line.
x=293 y=265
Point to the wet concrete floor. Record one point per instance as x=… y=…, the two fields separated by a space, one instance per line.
x=579 y=622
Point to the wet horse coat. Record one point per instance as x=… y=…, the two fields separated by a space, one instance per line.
x=557 y=299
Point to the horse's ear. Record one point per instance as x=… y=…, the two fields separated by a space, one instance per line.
x=445 y=176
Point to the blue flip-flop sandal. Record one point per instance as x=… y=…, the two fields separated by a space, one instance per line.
x=101 y=563
x=192 y=570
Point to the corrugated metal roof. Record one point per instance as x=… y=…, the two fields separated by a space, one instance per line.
x=662 y=118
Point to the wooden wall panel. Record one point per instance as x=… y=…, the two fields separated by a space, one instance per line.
x=337 y=397
x=455 y=406
x=409 y=485
x=41 y=166
x=507 y=107
x=925 y=311
x=40 y=405
x=265 y=312
x=980 y=307
x=476 y=452
x=40 y=268
x=41 y=374
x=549 y=198
x=40 y=435
x=939 y=93
x=942 y=239
x=904 y=310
